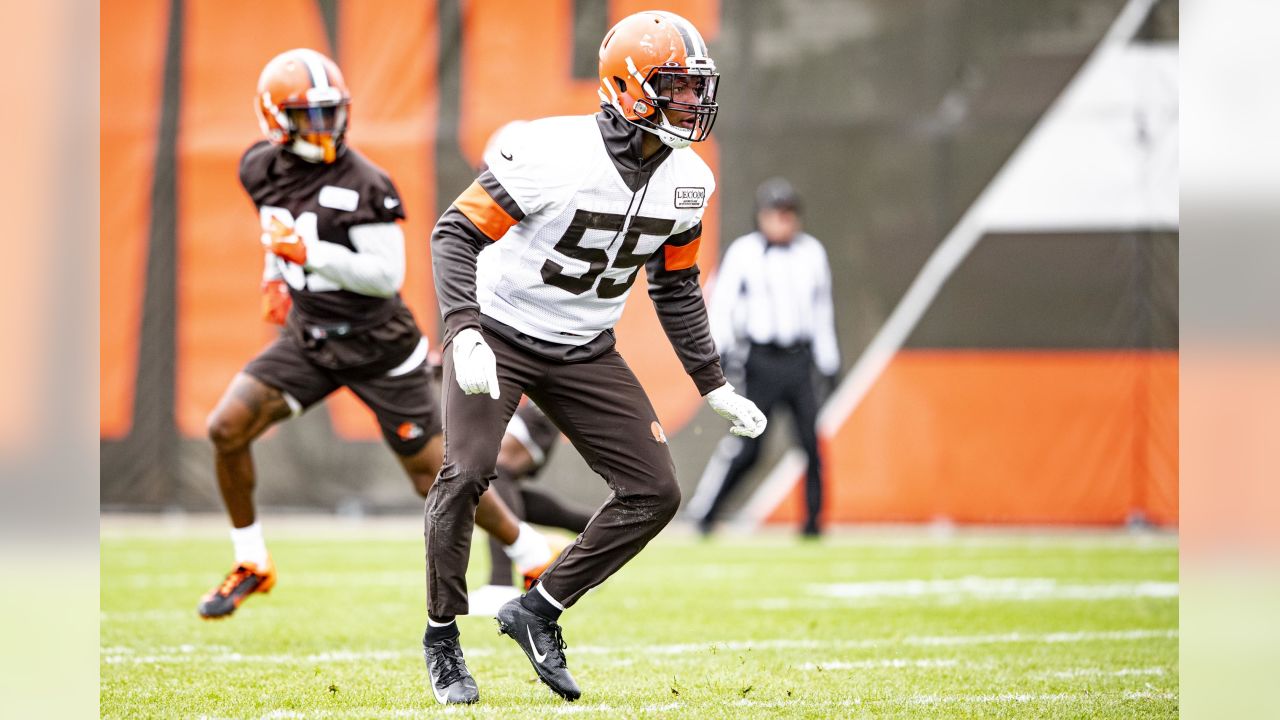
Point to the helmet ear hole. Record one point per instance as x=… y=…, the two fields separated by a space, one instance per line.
x=622 y=85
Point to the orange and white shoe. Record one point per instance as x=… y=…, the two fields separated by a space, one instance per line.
x=556 y=544
x=244 y=580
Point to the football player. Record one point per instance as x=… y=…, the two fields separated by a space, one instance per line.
x=533 y=263
x=334 y=265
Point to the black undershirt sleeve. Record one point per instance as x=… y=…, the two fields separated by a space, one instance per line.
x=677 y=297
x=455 y=243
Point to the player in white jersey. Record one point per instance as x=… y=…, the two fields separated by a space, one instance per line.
x=533 y=263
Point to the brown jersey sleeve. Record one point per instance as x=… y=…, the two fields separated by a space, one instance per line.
x=379 y=198
x=253 y=169
x=673 y=287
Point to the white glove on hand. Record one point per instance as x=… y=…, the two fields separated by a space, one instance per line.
x=474 y=365
x=747 y=419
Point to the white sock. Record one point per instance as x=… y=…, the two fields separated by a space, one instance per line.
x=249 y=545
x=530 y=550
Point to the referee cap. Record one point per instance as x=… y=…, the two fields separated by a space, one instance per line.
x=777 y=194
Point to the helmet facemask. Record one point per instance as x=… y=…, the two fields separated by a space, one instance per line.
x=316 y=131
x=688 y=89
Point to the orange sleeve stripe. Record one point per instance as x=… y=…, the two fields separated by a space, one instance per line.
x=485 y=212
x=682 y=257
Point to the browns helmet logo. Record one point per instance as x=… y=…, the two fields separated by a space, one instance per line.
x=658 y=435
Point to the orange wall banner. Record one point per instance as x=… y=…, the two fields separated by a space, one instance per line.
x=131 y=100
x=388 y=52
x=219 y=255
x=1007 y=437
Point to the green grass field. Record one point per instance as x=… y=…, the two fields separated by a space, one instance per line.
x=876 y=623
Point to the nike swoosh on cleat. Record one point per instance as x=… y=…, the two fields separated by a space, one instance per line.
x=537 y=655
x=442 y=699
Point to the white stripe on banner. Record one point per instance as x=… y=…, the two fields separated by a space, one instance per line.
x=953 y=249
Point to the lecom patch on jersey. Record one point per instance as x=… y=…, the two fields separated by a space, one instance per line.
x=691 y=197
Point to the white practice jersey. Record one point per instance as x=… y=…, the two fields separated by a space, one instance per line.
x=563 y=271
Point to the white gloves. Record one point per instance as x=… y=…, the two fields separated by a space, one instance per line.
x=747 y=419
x=474 y=365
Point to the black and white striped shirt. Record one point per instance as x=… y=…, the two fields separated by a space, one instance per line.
x=775 y=294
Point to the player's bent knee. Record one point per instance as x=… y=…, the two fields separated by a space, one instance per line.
x=457 y=482
x=661 y=497
x=227 y=433
x=669 y=502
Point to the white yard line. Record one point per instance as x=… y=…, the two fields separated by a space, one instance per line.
x=837 y=596
x=983 y=588
x=147 y=581
x=796 y=704
x=1071 y=673
x=888 y=664
x=190 y=654
x=986 y=699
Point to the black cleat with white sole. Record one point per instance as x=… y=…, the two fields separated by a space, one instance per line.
x=543 y=643
x=451 y=682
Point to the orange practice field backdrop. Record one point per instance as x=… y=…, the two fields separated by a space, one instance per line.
x=1008 y=437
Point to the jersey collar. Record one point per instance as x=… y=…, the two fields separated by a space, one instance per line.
x=623 y=140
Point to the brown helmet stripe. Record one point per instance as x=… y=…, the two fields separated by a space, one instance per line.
x=689 y=37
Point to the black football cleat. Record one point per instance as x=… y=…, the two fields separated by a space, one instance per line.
x=451 y=681
x=543 y=643
x=244 y=580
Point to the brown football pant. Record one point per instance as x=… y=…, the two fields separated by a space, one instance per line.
x=599 y=405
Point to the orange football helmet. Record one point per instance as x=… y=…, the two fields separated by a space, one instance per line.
x=655 y=70
x=302 y=104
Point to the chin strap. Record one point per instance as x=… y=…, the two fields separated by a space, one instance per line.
x=312 y=152
x=307 y=151
x=666 y=132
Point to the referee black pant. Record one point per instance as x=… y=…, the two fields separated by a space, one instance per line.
x=774 y=375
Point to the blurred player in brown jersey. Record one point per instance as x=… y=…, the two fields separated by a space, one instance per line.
x=334 y=266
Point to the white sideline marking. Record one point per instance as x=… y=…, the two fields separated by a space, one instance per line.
x=891 y=664
x=1032 y=697
x=125 y=655
x=118 y=655
x=303 y=580
x=795 y=704
x=987 y=699
x=918 y=641
x=1099 y=672
x=993 y=588
x=931 y=663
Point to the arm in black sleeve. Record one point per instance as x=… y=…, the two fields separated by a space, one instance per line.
x=482 y=214
x=455 y=243
x=677 y=297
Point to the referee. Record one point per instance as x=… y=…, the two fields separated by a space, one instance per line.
x=771 y=315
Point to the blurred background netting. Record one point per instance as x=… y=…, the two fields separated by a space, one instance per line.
x=1028 y=149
